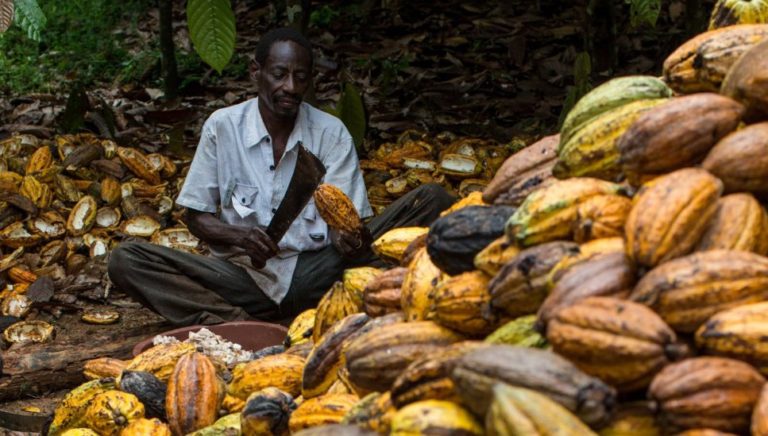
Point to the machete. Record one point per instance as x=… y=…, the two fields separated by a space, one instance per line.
x=307 y=175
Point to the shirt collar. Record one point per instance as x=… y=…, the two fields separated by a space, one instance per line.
x=257 y=132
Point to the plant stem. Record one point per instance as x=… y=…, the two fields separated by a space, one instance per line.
x=167 y=51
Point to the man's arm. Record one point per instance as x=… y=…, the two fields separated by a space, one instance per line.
x=254 y=241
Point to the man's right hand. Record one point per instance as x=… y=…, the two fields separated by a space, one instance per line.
x=259 y=247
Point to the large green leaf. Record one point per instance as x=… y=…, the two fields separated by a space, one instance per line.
x=212 y=30
x=6 y=14
x=644 y=11
x=30 y=17
x=351 y=111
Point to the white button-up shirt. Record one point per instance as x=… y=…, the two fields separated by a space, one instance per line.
x=233 y=173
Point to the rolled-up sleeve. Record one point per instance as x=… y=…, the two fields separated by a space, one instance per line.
x=343 y=171
x=201 y=186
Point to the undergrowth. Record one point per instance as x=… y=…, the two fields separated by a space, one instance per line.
x=79 y=43
x=94 y=43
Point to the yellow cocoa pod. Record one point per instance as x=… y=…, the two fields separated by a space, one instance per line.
x=422 y=277
x=516 y=410
x=160 y=359
x=730 y=12
x=232 y=404
x=461 y=303
x=70 y=413
x=670 y=214
x=146 y=427
x=392 y=244
x=740 y=223
x=327 y=409
x=496 y=255
x=103 y=367
x=473 y=199
x=335 y=305
x=283 y=371
x=434 y=417
x=632 y=420
x=701 y=63
x=300 y=330
x=337 y=209
x=112 y=411
x=79 y=432
x=356 y=279
x=550 y=213
x=602 y=216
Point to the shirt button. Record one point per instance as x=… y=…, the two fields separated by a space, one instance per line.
x=271 y=167
x=274 y=210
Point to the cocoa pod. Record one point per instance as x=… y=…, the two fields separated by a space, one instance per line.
x=687 y=291
x=476 y=372
x=669 y=214
x=740 y=160
x=707 y=392
x=677 y=133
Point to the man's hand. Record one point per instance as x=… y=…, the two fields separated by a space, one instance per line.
x=259 y=247
x=351 y=244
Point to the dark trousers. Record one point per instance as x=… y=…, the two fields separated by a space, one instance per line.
x=191 y=289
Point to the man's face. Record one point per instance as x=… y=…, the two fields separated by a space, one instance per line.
x=284 y=79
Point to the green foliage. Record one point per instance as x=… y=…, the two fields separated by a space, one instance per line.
x=351 y=111
x=582 y=69
x=323 y=16
x=30 y=18
x=643 y=12
x=212 y=30
x=78 y=43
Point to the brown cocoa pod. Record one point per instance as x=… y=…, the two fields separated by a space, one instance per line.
x=677 y=133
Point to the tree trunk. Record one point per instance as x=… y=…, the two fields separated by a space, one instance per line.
x=167 y=51
x=601 y=36
x=36 y=369
x=695 y=18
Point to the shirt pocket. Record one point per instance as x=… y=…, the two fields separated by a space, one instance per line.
x=245 y=200
x=245 y=195
x=316 y=228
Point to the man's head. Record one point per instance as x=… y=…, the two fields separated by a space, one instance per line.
x=283 y=70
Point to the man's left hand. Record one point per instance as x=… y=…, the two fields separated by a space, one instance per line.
x=352 y=244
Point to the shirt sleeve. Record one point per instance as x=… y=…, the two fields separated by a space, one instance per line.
x=343 y=171
x=201 y=186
